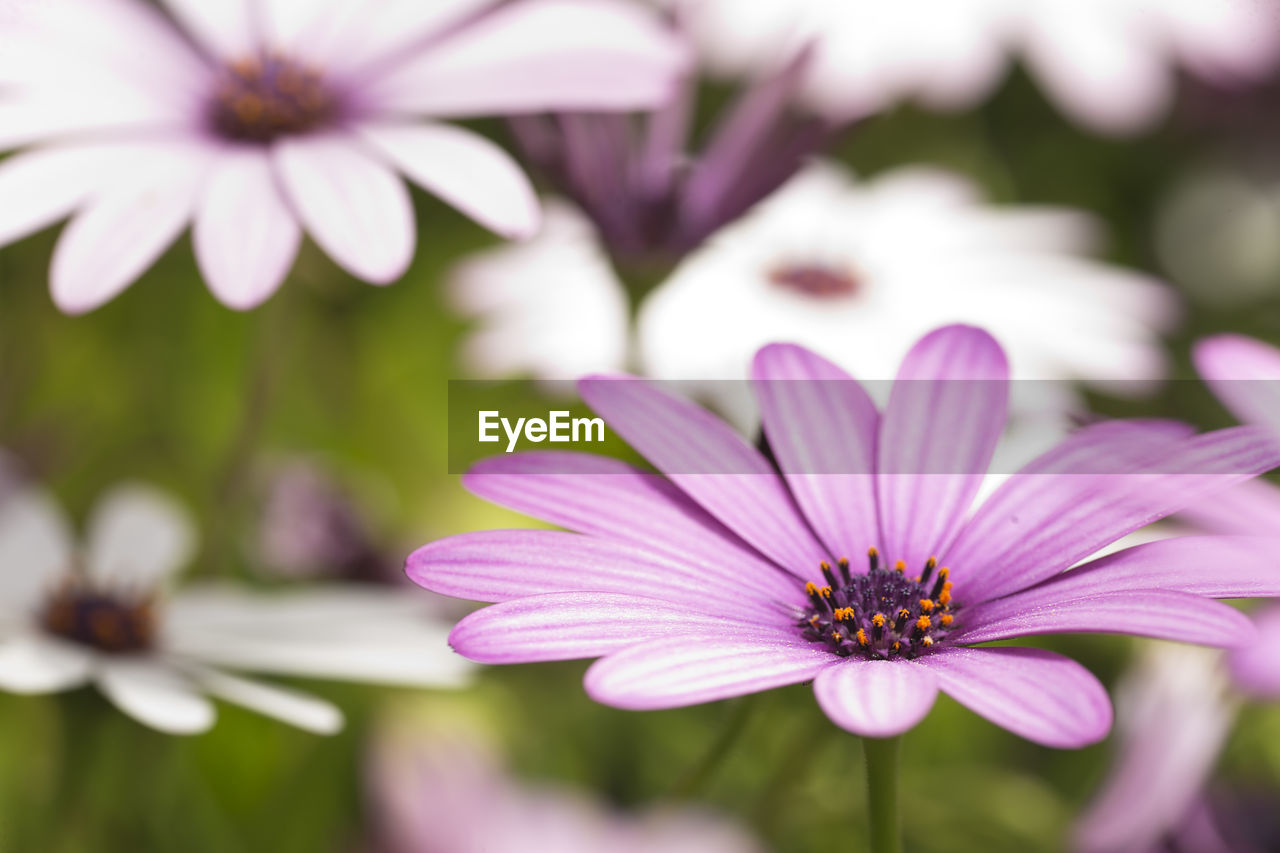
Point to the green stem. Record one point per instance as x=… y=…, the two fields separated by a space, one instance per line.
x=882 y=794
x=699 y=774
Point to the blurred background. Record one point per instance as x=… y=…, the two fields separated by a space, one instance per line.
x=330 y=402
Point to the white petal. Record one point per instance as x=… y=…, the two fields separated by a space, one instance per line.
x=138 y=537
x=225 y=28
x=156 y=695
x=356 y=208
x=245 y=235
x=35 y=549
x=121 y=233
x=42 y=186
x=539 y=56
x=33 y=663
x=463 y=168
x=298 y=709
x=379 y=638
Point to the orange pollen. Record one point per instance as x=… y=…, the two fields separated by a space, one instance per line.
x=926 y=605
x=923 y=623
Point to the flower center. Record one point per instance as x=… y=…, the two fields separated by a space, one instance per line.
x=100 y=620
x=882 y=614
x=816 y=280
x=261 y=99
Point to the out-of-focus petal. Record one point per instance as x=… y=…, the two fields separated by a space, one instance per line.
x=137 y=538
x=692 y=669
x=306 y=712
x=1245 y=375
x=1256 y=667
x=355 y=207
x=156 y=695
x=36 y=547
x=226 y=29
x=876 y=698
x=541 y=56
x=42 y=186
x=464 y=169
x=245 y=235
x=125 y=229
x=946 y=412
x=32 y=663
x=1036 y=694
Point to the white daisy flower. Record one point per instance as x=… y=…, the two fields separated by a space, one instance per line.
x=858 y=270
x=101 y=614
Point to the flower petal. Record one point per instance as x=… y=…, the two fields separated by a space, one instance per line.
x=689 y=670
x=1158 y=613
x=156 y=695
x=1243 y=373
x=125 y=229
x=1066 y=505
x=42 y=186
x=1256 y=667
x=306 y=712
x=1036 y=694
x=1247 y=509
x=610 y=499
x=355 y=207
x=365 y=640
x=822 y=428
x=138 y=537
x=33 y=663
x=711 y=464
x=35 y=549
x=245 y=235
x=945 y=414
x=540 y=56
x=464 y=169
x=501 y=565
x=225 y=29
x=876 y=698
x=1210 y=566
x=570 y=625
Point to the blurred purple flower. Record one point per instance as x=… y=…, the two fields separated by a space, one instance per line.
x=651 y=198
x=255 y=121
x=432 y=795
x=725 y=577
x=310 y=528
x=104 y=615
x=1109 y=64
x=1173 y=714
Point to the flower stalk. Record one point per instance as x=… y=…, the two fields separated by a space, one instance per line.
x=882 y=793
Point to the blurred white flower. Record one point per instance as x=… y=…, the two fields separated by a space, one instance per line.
x=102 y=614
x=447 y=791
x=1172 y=718
x=550 y=308
x=1109 y=64
x=857 y=271
x=256 y=121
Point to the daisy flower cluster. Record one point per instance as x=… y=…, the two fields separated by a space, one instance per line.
x=930 y=348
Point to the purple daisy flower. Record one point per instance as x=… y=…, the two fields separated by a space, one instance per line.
x=256 y=121
x=725 y=577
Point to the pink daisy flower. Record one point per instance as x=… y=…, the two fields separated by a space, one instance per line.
x=724 y=576
x=255 y=122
